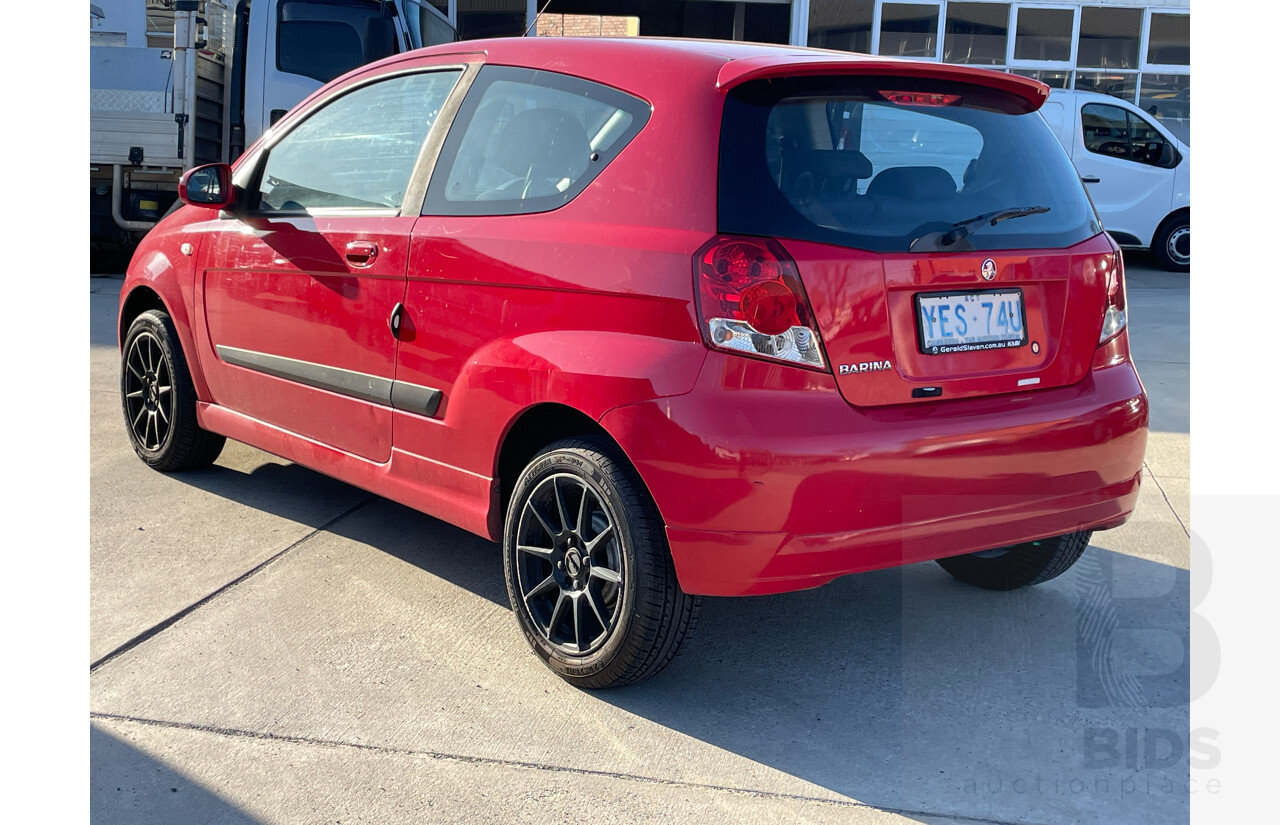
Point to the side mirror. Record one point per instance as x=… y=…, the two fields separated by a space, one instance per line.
x=207 y=186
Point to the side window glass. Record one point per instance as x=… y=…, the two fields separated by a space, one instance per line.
x=1106 y=130
x=528 y=141
x=358 y=151
x=1148 y=145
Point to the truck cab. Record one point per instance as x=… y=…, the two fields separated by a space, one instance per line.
x=180 y=84
x=296 y=46
x=1137 y=172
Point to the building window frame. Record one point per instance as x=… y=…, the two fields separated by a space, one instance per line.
x=1144 y=24
x=1160 y=68
x=1059 y=65
x=877 y=20
x=1009 y=30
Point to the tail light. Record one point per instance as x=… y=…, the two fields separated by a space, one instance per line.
x=751 y=301
x=1114 y=319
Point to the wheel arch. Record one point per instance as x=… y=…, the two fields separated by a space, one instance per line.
x=528 y=433
x=153 y=283
x=1175 y=215
x=139 y=300
x=1159 y=241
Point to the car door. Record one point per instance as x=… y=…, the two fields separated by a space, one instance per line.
x=1128 y=167
x=299 y=286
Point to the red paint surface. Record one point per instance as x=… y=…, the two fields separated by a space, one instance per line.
x=769 y=477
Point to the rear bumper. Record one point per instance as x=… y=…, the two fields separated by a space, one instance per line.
x=768 y=481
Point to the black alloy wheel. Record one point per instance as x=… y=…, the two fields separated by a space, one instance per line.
x=159 y=400
x=589 y=573
x=148 y=392
x=569 y=570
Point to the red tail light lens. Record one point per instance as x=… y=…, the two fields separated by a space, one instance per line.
x=1114 y=317
x=751 y=301
x=920 y=98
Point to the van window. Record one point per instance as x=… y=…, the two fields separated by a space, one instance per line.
x=834 y=160
x=1119 y=133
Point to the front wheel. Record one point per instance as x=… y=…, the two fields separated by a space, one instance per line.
x=1008 y=568
x=1172 y=245
x=159 y=399
x=588 y=570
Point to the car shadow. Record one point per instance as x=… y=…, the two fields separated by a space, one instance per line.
x=900 y=688
x=908 y=690
x=298 y=494
x=129 y=787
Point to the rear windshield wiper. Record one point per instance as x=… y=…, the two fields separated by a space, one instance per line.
x=963 y=229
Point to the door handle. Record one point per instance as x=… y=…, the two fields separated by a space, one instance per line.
x=361 y=253
x=1090 y=179
x=397 y=318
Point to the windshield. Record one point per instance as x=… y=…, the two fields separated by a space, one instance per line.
x=323 y=39
x=833 y=160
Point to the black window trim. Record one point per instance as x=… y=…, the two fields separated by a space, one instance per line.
x=249 y=176
x=436 y=204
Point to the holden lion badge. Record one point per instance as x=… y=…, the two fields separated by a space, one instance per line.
x=988 y=269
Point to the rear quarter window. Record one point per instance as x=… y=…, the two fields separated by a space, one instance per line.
x=832 y=160
x=529 y=141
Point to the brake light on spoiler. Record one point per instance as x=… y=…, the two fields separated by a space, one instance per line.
x=920 y=98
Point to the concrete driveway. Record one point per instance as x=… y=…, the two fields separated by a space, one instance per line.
x=268 y=645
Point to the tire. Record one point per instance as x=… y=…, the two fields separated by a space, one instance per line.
x=1172 y=244
x=159 y=400
x=1008 y=568
x=588 y=570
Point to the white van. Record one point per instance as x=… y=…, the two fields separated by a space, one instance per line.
x=1138 y=173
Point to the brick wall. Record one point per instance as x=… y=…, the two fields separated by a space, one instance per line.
x=587 y=25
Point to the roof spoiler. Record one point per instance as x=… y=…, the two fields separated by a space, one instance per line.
x=800 y=64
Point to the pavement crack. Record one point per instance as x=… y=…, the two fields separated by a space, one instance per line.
x=1165 y=495
x=164 y=625
x=238 y=733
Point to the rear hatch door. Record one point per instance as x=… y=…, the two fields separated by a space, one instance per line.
x=941 y=234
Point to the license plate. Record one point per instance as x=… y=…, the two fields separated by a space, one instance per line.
x=968 y=321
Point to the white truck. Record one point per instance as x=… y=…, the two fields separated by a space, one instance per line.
x=178 y=83
x=1138 y=173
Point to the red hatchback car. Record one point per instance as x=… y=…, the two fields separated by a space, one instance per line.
x=663 y=317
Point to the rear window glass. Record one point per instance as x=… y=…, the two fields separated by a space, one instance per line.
x=834 y=161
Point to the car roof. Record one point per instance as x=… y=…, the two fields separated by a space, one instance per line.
x=647 y=63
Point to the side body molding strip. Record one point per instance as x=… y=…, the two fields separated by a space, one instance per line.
x=414 y=398
x=399 y=395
